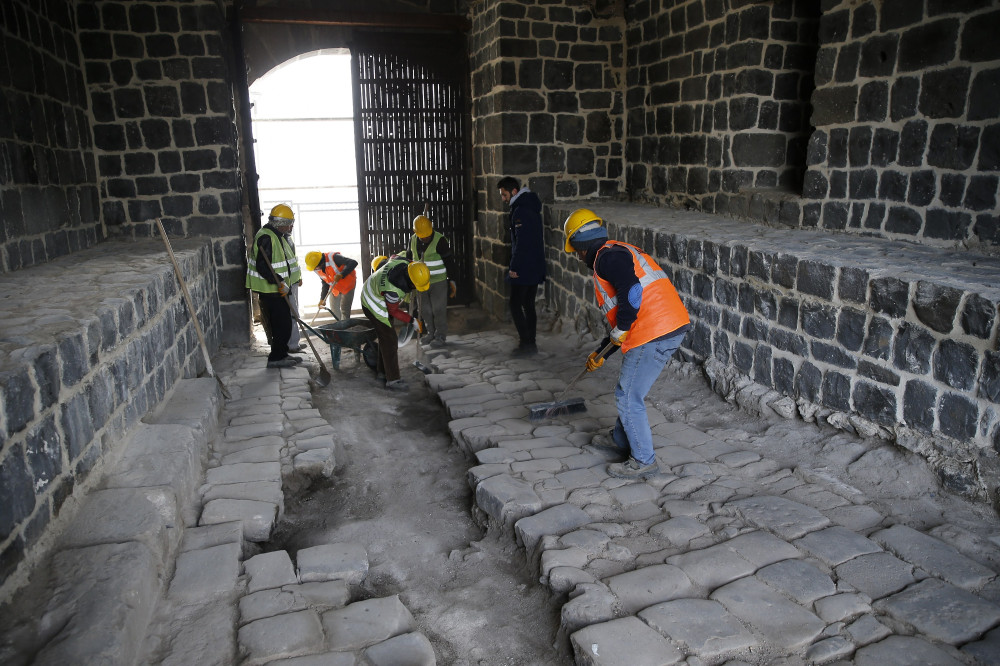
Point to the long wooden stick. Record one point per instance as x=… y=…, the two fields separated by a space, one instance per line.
x=191 y=310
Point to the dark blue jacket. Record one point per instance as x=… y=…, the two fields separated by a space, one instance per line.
x=527 y=248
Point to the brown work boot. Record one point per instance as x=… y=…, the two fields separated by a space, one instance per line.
x=606 y=446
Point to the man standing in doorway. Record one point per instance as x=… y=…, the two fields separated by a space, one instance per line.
x=527 y=259
x=431 y=248
x=271 y=270
x=648 y=323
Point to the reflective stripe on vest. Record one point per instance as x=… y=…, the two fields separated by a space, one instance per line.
x=283 y=262
x=435 y=264
x=660 y=309
x=377 y=284
x=331 y=269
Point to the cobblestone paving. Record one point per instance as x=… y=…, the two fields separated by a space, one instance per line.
x=724 y=557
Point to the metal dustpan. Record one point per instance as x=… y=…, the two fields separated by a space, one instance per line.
x=560 y=407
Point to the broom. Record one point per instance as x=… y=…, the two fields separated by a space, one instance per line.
x=560 y=407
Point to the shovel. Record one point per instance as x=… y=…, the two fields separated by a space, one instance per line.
x=192 y=312
x=324 y=375
x=560 y=407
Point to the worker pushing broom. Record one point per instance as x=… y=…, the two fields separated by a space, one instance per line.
x=648 y=322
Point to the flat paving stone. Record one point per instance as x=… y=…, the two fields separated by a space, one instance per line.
x=557 y=520
x=783 y=517
x=781 y=621
x=934 y=556
x=903 y=651
x=365 y=623
x=798 y=580
x=412 y=649
x=986 y=650
x=286 y=635
x=647 y=586
x=876 y=574
x=835 y=545
x=713 y=566
x=333 y=561
x=507 y=499
x=290 y=598
x=626 y=641
x=209 y=573
x=704 y=627
x=942 y=611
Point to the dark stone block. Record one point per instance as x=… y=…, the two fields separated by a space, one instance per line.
x=46 y=367
x=946 y=224
x=746 y=298
x=958 y=416
x=978 y=316
x=919 y=400
x=981 y=193
x=987 y=229
x=832 y=354
x=726 y=293
x=758 y=149
x=863 y=184
x=580 y=160
x=783 y=270
x=889 y=296
x=754 y=329
x=952 y=189
x=742 y=357
x=762 y=366
x=885 y=144
x=847 y=63
x=936 y=305
x=818 y=321
x=989 y=381
x=903 y=220
x=875 y=403
x=213 y=131
x=789 y=342
x=836 y=391
x=928 y=45
x=788 y=313
x=922 y=188
x=912 y=142
x=205 y=159
x=808 y=381
x=851 y=329
x=738 y=261
x=816 y=279
x=878 y=56
x=912 y=349
x=835 y=105
x=877 y=373
x=953 y=147
x=43 y=448
x=984 y=97
x=989 y=149
x=955 y=364
x=209 y=67
x=878 y=342
x=731 y=322
x=760 y=265
x=905 y=94
x=73 y=355
x=815 y=185
x=837 y=149
x=873 y=102
x=979 y=38
x=17 y=499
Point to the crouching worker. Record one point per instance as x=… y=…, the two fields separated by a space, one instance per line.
x=648 y=323
x=382 y=296
x=339 y=279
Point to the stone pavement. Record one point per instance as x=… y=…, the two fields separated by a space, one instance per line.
x=724 y=557
x=163 y=563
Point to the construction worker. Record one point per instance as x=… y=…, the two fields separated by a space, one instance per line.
x=382 y=296
x=339 y=280
x=648 y=323
x=431 y=248
x=271 y=270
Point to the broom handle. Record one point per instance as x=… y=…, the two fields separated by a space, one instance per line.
x=605 y=352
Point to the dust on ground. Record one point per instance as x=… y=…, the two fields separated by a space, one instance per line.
x=400 y=490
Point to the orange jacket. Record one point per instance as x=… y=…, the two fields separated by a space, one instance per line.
x=661 y=310
x=331 y=270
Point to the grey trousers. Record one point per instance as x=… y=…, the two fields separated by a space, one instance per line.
x=434 y=310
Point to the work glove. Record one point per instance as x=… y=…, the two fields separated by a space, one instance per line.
x=320 y=305
x=594 y=361
x=283 y=289
x=618 y=336
x=453 y=288
x=336 y=279
x=299 y=283
x=420 y=326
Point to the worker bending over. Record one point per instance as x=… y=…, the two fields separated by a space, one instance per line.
x=339 y=280
x=431 y=247
x=648 y=323
x=382 y=297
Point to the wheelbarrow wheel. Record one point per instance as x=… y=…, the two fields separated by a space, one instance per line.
x=369 y=351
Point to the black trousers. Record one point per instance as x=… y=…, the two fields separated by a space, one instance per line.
x=388 y=347
x=522 y=310
x=279 y=319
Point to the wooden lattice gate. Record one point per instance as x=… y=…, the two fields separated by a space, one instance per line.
x=410 y=109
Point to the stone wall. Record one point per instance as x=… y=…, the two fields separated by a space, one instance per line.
x=547 y=90
x=160 y=86
x=881 y=338
x=49 y=202
x=82 y=360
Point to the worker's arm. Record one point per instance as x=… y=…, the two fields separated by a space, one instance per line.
x=393 y=304
x=347 y=264
x=448 y=257
x=263 y=258
x=324 y=291
x=615 y=265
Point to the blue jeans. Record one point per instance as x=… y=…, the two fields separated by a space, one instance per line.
x=640 y=367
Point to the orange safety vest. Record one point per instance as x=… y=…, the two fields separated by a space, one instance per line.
x=660 y=311
x=330 y=270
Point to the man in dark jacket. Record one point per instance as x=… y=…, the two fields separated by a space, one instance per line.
x=527 y=259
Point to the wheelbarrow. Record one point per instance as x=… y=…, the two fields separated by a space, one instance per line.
x=357 y=334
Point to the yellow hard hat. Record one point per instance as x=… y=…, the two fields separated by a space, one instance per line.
x=312 y=260
x=577 y=219
x=420 y=275
x=422 y=226
x=377 y=261
x=283 y=212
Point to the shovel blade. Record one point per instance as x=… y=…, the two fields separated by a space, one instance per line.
x=551 y=410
